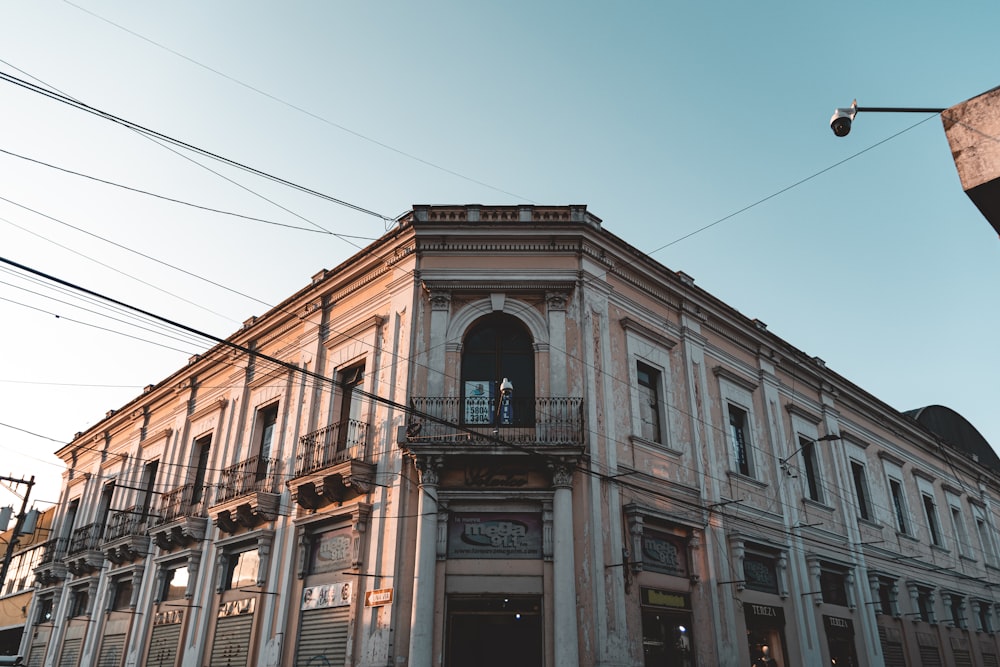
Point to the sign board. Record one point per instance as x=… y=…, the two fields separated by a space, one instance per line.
x=478 y=402
x=495 y=535
x=328 y=595
x=378 y=597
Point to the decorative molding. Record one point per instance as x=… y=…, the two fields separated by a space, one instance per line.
x=207 y=409
x=629 y=324
x=724 y=373
x=354 y=332
x=798 y=411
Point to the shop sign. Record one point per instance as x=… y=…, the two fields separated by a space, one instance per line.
x=331 y=551
x=495 y=535
x=378 y=597
x=170 y=617
x=327 y=595
x=237 y=607
x=664 y=553
x=654 y=597
x=762 y=612
x=495 y=477
x=838 y=624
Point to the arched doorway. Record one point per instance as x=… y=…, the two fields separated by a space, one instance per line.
x=498 y=346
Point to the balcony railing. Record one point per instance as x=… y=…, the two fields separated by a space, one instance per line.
x=126 y=523
x=53 y=550
x=539 y=421
x=85 y=538
x=180 y=502
x=253 y=475
x=336 y=443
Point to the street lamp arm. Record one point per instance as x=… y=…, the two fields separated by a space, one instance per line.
x=826 y=438
x=901 y=109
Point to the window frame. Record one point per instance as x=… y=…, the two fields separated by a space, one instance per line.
x=740 y=441
x=900 y=509
x=862 y=491
x=929 y=504
x=652 y=398
x=811 y=466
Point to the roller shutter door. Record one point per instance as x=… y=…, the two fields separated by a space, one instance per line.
x=323 y=636
x=70 y=655
x=36 y=658
x=963 y=658
x=231 y=645
x=111 y=651
x=892 y=651
x=990 y=660
x=929 y=656
x=163 y=645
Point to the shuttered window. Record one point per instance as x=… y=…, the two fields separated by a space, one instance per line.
x=111 y=651
x=323 y=636
x=929 y=656
x=231 y=646
x=70 y=655
x=163 y=645
x=990 y=660
x=963 y=658
x=892 y=649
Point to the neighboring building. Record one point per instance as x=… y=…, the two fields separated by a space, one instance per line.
x=17 y=589
x=503 y=436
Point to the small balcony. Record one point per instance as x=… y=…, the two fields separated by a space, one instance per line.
x=181 y=519
x=334 y=464
x=479 y=426
x=247 y=494
x=51 y=569
x=125 y=538
x=84 y=555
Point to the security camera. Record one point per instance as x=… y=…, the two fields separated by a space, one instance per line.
x=841 y=121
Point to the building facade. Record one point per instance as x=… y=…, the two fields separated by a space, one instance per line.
x=502 y=435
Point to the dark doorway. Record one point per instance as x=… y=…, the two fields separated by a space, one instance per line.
x=494 y=631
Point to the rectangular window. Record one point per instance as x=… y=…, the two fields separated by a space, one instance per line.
x=861 y=490
x=242 y=569
x=833 y=583
x=202 y=448
x=760 y=573
x=79 y=602
x=175 y=581
x=122 y=594
x=739 y=432
x=267 y=418
x=352 y=429
x=984 y=540
x=930 y=514
x=985 y=623
x=925 y=605
x=887 y=596
x=958 y=526
x=148 y=489
x=899 y=505
x=649 y=401
x=957 y=613
x=44 y=610
x=811 y=464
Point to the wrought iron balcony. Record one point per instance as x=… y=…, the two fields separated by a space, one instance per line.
x=83 y=555
x=333 y=464
x=247 y=494
x=125 y=538
x=552 y=421
x=336 y=443
x=51 y=569
x=180 y=518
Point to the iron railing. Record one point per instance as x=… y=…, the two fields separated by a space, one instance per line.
x=85 y=538
x=53 y=550
x=126 y=523
x=252 y=475
x=336 y=443
x=540 y=421
x=180 y=502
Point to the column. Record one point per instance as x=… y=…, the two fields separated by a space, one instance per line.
x=422 y=615
x=564 y=569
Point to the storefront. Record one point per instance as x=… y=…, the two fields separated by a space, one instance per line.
x=840 y=641
x=766 y=635
x=667 y=636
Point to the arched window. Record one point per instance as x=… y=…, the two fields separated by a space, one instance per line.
x=498 y=346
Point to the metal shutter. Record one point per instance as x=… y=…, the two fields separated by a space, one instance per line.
x=962 y=658
x=163 y=645
x=929 y=656
x=323 y=636
x=70 y=655
x=36 y=657
x=990 y=660
x=231 y=645
x=892 y=651
x=111 y=651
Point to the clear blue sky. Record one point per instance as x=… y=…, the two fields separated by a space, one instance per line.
x=662 y=117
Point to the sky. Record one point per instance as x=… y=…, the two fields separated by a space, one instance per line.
x=697 y=131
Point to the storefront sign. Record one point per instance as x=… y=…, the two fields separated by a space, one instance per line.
x=379 y=597
x=838 y=624
x=495 y=535
x=763 y=612
x=327 y=595
x=495 y=477
x=237 y=607
x=664 y=553
x=331 y=551
x=168 y=617
x=656 y=598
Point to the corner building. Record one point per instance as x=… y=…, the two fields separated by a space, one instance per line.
x=502 y=435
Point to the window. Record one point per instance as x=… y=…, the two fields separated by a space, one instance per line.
x=498 y=346
x=760 y=573
x=984 y=540
x=79 y=602
x=267 y=418
x=175 y=581
x=924 y=599
x=739 y=433
x=899 y=505
x=957 y=610
x=148 y=488
x=930 y=513
x=202 y=448
x=833 y=584
x=861 y=490
x=888 y=596
x=241 y=569
x=122 y=594
x=351 y=430
x=649 y=401
x=958 y=528
x=984 y=620
x=44 y=614
x=810 y=462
